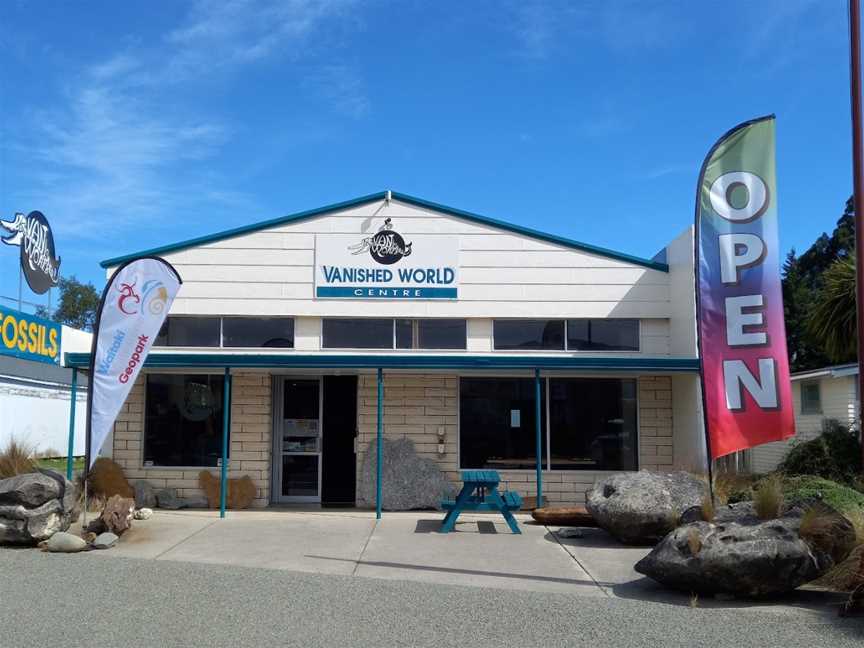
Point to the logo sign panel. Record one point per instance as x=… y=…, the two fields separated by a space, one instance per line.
x=386 y=265
x=39 y=261
x=29 y=337
x=134 y=305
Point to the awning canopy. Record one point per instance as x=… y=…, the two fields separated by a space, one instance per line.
x=402 y=361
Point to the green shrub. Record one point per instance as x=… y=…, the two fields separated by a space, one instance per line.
x=834 y=455
x=842 y=498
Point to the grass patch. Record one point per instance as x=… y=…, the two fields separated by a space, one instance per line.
x=59 y=464
x=842 y=498
x=768 y=497
x=16 y=459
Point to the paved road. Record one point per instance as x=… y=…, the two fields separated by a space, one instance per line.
x=84 y=600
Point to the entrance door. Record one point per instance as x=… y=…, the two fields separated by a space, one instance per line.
x=297 y=473
x=340 y=422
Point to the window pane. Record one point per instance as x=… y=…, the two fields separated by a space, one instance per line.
x=592 y=424
x=603 y=335
x=529 y=334
x=811 y=401
x=497 y=423
x=270 y=332
x=189 y=332
x=183 y=420
x=358 y=333
x=404 y=334
x=441 y=333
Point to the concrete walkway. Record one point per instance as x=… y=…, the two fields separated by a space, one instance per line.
x=407 y=547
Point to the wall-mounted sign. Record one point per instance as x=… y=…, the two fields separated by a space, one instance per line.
x=29 y=337
x=386 y=265
x=39 y=261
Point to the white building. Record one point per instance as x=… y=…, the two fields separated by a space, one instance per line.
x=462 y=316
x=817 y=395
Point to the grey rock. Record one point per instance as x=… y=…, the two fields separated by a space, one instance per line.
x=35 y=506
x=62 y=542
x=739 y=554
x=145 y=495
x=30 y=490
x=143 y=514
x=408 y=481
x=570 y=533
x=105 y=540
x=194 y=502
x=642 y=507
x=166 y=498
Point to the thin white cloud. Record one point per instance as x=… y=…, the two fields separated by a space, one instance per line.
x=120 y=149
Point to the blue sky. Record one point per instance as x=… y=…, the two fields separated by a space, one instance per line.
x=136 y=124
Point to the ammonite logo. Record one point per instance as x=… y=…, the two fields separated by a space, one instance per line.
x=33 y=235
x=153 y=296
x=387 y=246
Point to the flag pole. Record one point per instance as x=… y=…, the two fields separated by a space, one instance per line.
x=858 y=194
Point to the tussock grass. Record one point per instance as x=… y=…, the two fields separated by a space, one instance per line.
x=849 y=574
x=768 y=498
x=708 y=509
x=16 y=458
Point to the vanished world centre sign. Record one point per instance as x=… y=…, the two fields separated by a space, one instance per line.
x=386 y=265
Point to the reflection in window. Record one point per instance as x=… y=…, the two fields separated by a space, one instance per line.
x=603 y=334
x=497 y=424
x=183 y=420
x=360 y=333
x=189 y=332
x=529 y=334
x=592 y=424
x=266 y=332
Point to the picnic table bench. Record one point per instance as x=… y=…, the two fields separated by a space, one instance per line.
x=480 y=493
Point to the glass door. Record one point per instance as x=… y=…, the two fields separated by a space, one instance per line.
x=299 y=460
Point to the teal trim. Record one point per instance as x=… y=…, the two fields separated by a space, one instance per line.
x=411 y=200
x=379 y=434
x=324 y=361
x=226 y=426
x=73 y=394
x=539 y=436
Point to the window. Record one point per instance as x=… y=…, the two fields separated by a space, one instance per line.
x=183 y=420
x=811 y=398
x=497 y=423
x=398 y=334
x=267 y=332
x=189 y=332
x=358 y=333
x=522 y=335
x=603 y=335
x=592 y=424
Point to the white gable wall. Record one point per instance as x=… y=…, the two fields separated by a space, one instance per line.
x=502 y=274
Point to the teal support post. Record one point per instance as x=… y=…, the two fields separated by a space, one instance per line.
x=226 y=426
x=539 y=441
x=379 y=449
x=73 y=398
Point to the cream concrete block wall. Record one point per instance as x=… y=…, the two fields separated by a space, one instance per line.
x=415 y=406
x=251 y=423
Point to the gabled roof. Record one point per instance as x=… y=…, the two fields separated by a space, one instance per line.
x=411 y=200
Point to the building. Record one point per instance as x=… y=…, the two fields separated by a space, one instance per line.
x=459 y=320
x=828 y=393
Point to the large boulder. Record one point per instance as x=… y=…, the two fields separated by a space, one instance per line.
x=145 y=494
x=35 y=506
x=740 y=554
x=408 y=481
x=642 y=507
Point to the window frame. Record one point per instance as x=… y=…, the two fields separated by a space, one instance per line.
x=193 y=372
x=546 y=461
x=808 y=411
x=566 y=348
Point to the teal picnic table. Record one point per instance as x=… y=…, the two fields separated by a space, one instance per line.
x=480 y=493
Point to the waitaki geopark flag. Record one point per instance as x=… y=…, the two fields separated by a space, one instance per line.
x=742 y=336
x=133 y=308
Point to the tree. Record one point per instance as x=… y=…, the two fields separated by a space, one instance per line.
x=803 y=280
x=833 y=317
x=77 y=305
